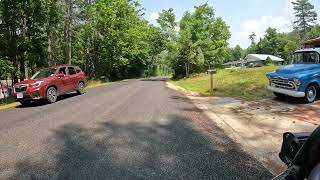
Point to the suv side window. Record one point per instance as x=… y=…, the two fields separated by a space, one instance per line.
x=63 y=70
x=72 y=71
x=78 y=70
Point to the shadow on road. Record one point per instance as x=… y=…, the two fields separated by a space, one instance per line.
x=44 y=102
x=289 y=100
x=156 y=79
x=170 y=150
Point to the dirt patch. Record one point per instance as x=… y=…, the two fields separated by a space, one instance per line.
x=258 y=126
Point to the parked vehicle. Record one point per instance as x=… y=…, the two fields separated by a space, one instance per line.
x=300 y=152
x=49 y=83
x=300 y=79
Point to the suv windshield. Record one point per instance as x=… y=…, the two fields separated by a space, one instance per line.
x=43 y=73
x=306 y=57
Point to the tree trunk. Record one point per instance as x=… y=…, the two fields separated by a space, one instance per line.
x=23 y=54
x=50 y=56
x=67 y=31
x=4 y=95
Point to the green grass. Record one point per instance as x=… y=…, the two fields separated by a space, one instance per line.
x=95 y=83
x=249 y=84
x=8 y=103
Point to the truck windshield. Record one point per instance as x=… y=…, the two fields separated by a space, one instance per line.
x=44 y=73
x=306 y=57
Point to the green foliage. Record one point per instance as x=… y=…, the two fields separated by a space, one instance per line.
x=268 y=61
x=109 y=38
x=278 y=44
x=5 y=69
x=314 y=32
x=237 y=53
x=305 y=16
x=202 y=41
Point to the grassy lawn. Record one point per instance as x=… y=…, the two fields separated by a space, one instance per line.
x=249 y=84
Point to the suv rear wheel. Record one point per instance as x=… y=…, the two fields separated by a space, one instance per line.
x=311 y=94
x=52 y=95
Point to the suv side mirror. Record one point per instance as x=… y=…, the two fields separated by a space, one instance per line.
x=60 y=75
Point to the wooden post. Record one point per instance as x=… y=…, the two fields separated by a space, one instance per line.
x=211 y=83
x=211 y=72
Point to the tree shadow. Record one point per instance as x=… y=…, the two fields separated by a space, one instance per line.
x=156 y=79
x=170 y=149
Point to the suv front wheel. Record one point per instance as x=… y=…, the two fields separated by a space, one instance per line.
x=311 y=94
x=52 y=95
x=81 y=88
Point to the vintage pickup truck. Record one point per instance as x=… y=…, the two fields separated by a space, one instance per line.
x=299 y=79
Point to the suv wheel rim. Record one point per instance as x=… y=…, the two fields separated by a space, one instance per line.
x=52 y=94
x=81 y=88
x=311 y=93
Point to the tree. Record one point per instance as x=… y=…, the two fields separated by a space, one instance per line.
x=314 y=32
x=305 y=16
x=53 y=16
x=252 y=49
x=68 y=30
x=252 y=37
x=202 y=43
x=237 y=53
x=167 y=22
x=168 y=25
x=279 y=44
x=268 y=61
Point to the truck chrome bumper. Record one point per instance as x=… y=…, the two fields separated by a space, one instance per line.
x=286 y=92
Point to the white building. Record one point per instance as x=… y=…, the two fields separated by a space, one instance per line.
x=258 y=60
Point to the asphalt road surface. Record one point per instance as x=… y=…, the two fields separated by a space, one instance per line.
x=138 y=129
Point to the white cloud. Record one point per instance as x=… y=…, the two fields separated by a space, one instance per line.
x=283 y=23
x=154 y=15
x=289 y=6
x=259 y=26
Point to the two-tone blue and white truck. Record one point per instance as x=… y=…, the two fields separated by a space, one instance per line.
x=300 y=79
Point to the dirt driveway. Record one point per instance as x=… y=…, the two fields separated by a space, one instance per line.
x=258 y=125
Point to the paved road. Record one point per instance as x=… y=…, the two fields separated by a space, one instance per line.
x=131 y=130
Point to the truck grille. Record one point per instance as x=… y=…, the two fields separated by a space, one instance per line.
x=283 y=83
x=20 y=88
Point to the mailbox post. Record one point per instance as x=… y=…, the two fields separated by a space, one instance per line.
x=211 y=72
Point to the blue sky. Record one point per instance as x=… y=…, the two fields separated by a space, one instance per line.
x=243 y=16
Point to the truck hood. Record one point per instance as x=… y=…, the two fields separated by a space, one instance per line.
x=297 y=68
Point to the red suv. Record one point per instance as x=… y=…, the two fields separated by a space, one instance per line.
x=49 y=83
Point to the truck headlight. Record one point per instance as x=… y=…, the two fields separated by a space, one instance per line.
x=37 y=84
x=297 y=82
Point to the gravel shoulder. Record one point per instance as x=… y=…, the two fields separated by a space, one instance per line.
x=257 y=125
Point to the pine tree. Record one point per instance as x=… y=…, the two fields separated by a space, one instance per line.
x=305 y=17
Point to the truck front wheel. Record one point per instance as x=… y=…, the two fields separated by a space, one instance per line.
x=311 y=94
